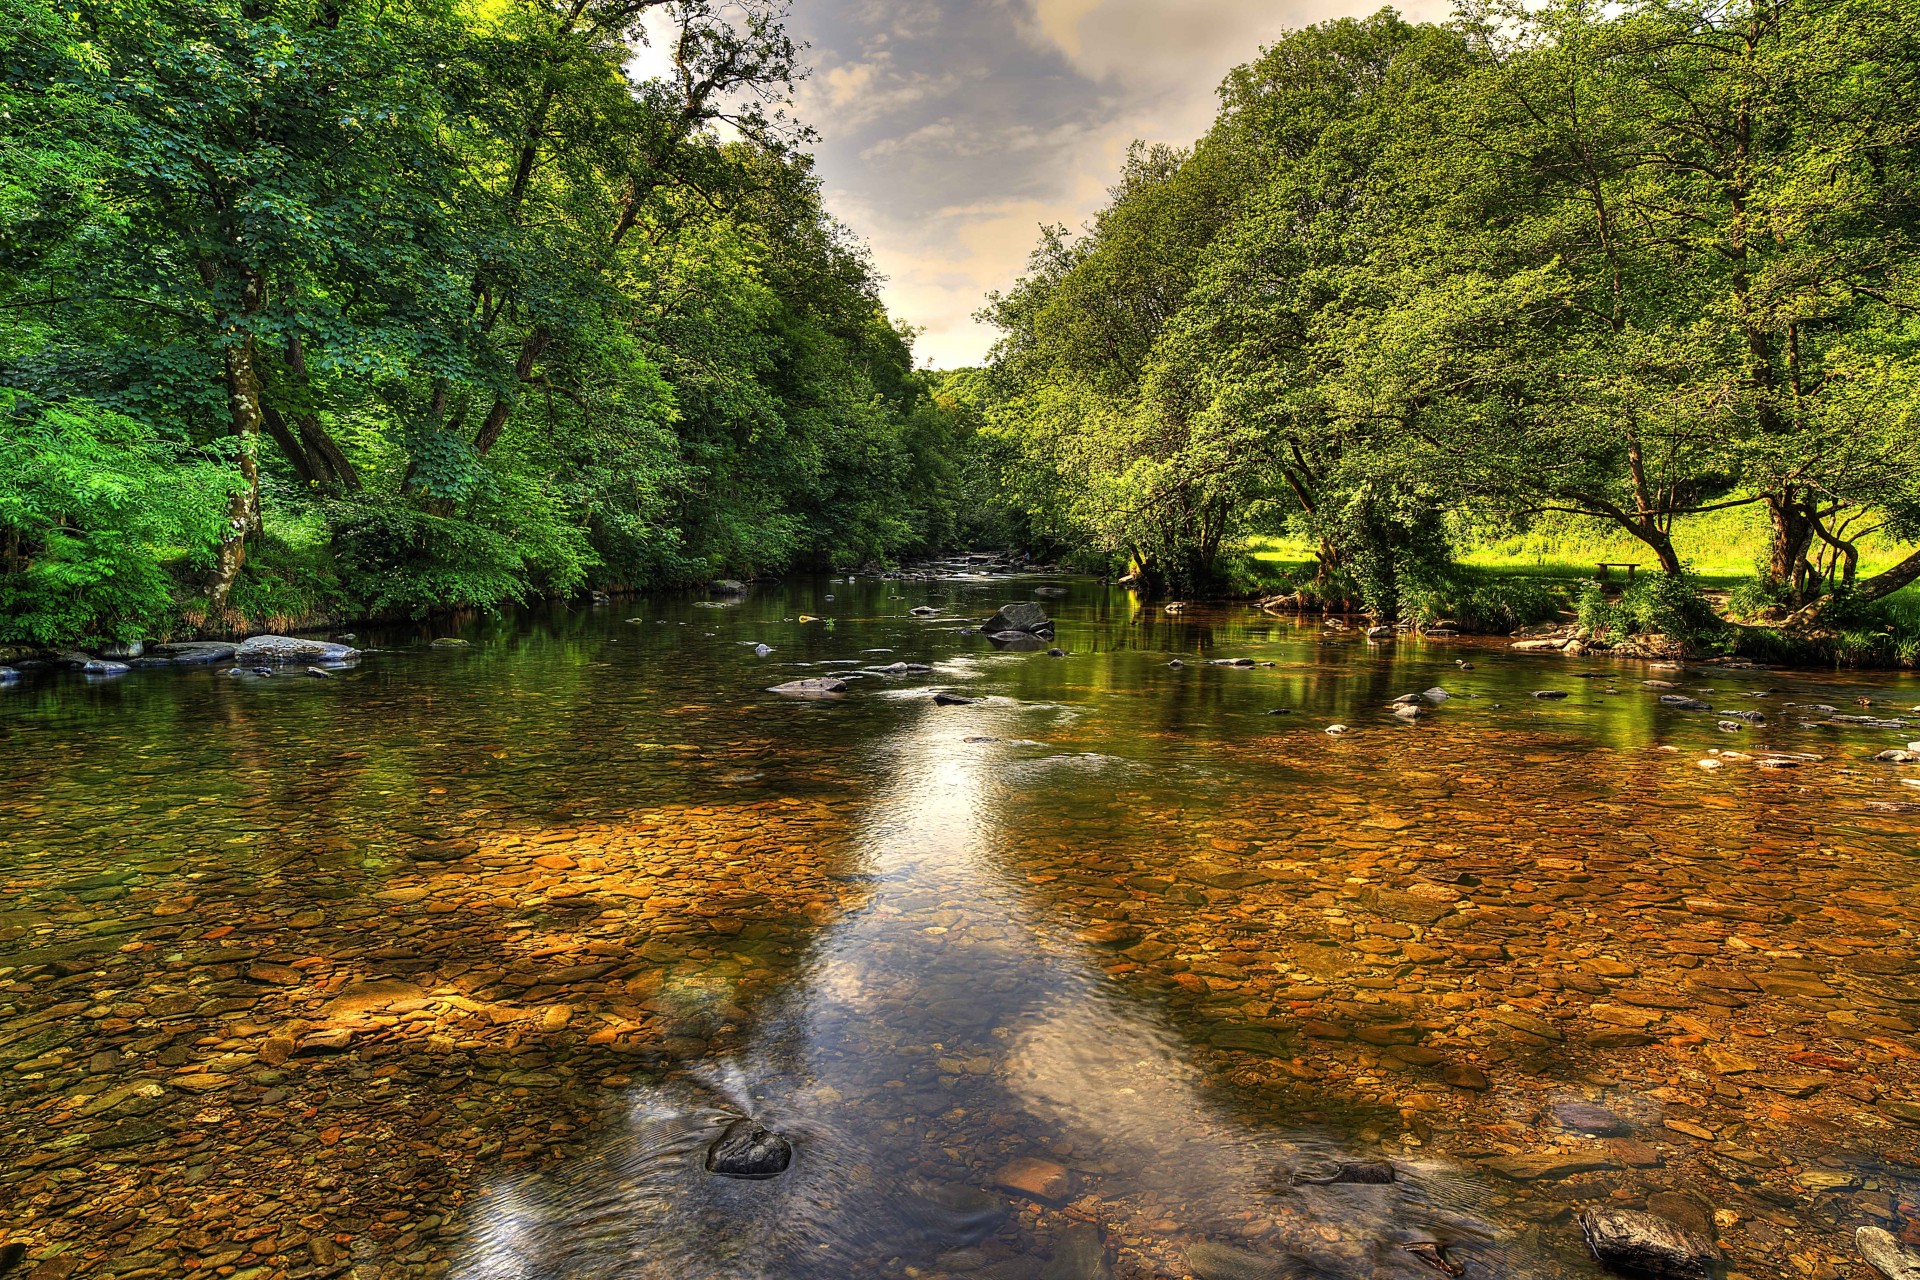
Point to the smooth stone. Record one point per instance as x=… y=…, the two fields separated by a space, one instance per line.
x=450 y=642
x=727 y=587
x=1080 y=1254
x=942 y=699
x=1036 y=1179
x=1885 y=1254
x=1336 y=729
x=104 y=667
x=1681 y=702
x=196 y=652
x=923 y=611
x=1550 y=693
x=748 y=1150
x=8 y=675
x=270 y=648
x=1056 y=653
x=1588 y=1118
x=762 y=650
x=1435 y=694
x=1210 y=1261
x=320 y=673
x=1643 y=1244
x=812 y=687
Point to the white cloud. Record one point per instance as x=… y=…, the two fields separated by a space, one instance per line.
x=951 y=129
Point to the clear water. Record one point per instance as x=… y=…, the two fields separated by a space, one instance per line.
x=536 y=918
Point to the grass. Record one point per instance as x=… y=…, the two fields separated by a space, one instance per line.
x=1721 y=548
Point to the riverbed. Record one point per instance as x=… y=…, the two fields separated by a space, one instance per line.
x=456 y=962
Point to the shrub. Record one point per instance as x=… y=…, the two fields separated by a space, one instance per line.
x=93 y=507
x=1658 y=604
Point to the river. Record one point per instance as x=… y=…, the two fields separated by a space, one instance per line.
x=457 y=962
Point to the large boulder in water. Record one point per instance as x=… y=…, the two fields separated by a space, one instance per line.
x=301 y=649
x=1645 y=1244
x=748 y=1150
x=1020 y=615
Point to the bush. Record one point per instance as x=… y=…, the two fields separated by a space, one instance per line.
x=1658 y=604
x=93 y=508
x=1483 y=601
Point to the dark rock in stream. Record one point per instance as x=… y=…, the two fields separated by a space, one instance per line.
x=1642 y=1244
x=1079 y=1255
x=1550 y=693
x=194 y=653
x=1021 y=615
x=8 y=675
x=1681 y=702
x=1056 y=653
x=749 y=1150
x=1586 y=1117
x=943 y=699
x=104 y=667
x=1359 y=1172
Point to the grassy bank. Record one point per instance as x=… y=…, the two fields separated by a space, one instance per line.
x=1506 y=581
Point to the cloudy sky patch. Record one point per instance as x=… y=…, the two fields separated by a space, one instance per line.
x=951 y=129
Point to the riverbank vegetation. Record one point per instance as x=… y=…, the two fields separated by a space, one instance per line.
x=325 y=308
x=330 y=307
x=1420 y=290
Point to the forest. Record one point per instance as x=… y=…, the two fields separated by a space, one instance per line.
x=1615 y=265
x=325 y=308
x=316 y=309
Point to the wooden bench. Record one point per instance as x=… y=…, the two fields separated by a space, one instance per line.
x=1629 y=566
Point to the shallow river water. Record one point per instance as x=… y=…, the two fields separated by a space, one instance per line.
x=457 y=963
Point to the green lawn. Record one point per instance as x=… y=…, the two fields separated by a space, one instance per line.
x=1721 y=547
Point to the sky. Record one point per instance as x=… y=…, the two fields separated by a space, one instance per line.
x=950 y=130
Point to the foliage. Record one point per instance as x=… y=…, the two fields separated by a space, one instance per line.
x=1668 y=605
x=1638 y=265
x=467 y=312
x=92 y=506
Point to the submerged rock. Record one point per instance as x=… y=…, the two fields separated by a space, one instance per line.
x=748 y=1149
x=1681 y=702
x=1434 y=1254
x=104 y=667
x=450 y=642
x=811 y=687
x=257 y=649
x=1361 y=1172
x=1080 y=1255
x=8 y=675
x=1553 y=694
x=1643 y=1244
x=1885 y=1254
x=1210 y=1261
x=944 y=699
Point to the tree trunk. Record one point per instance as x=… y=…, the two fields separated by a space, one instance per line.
x=1877 y=587
x=243 y=503
x=1787 y=549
